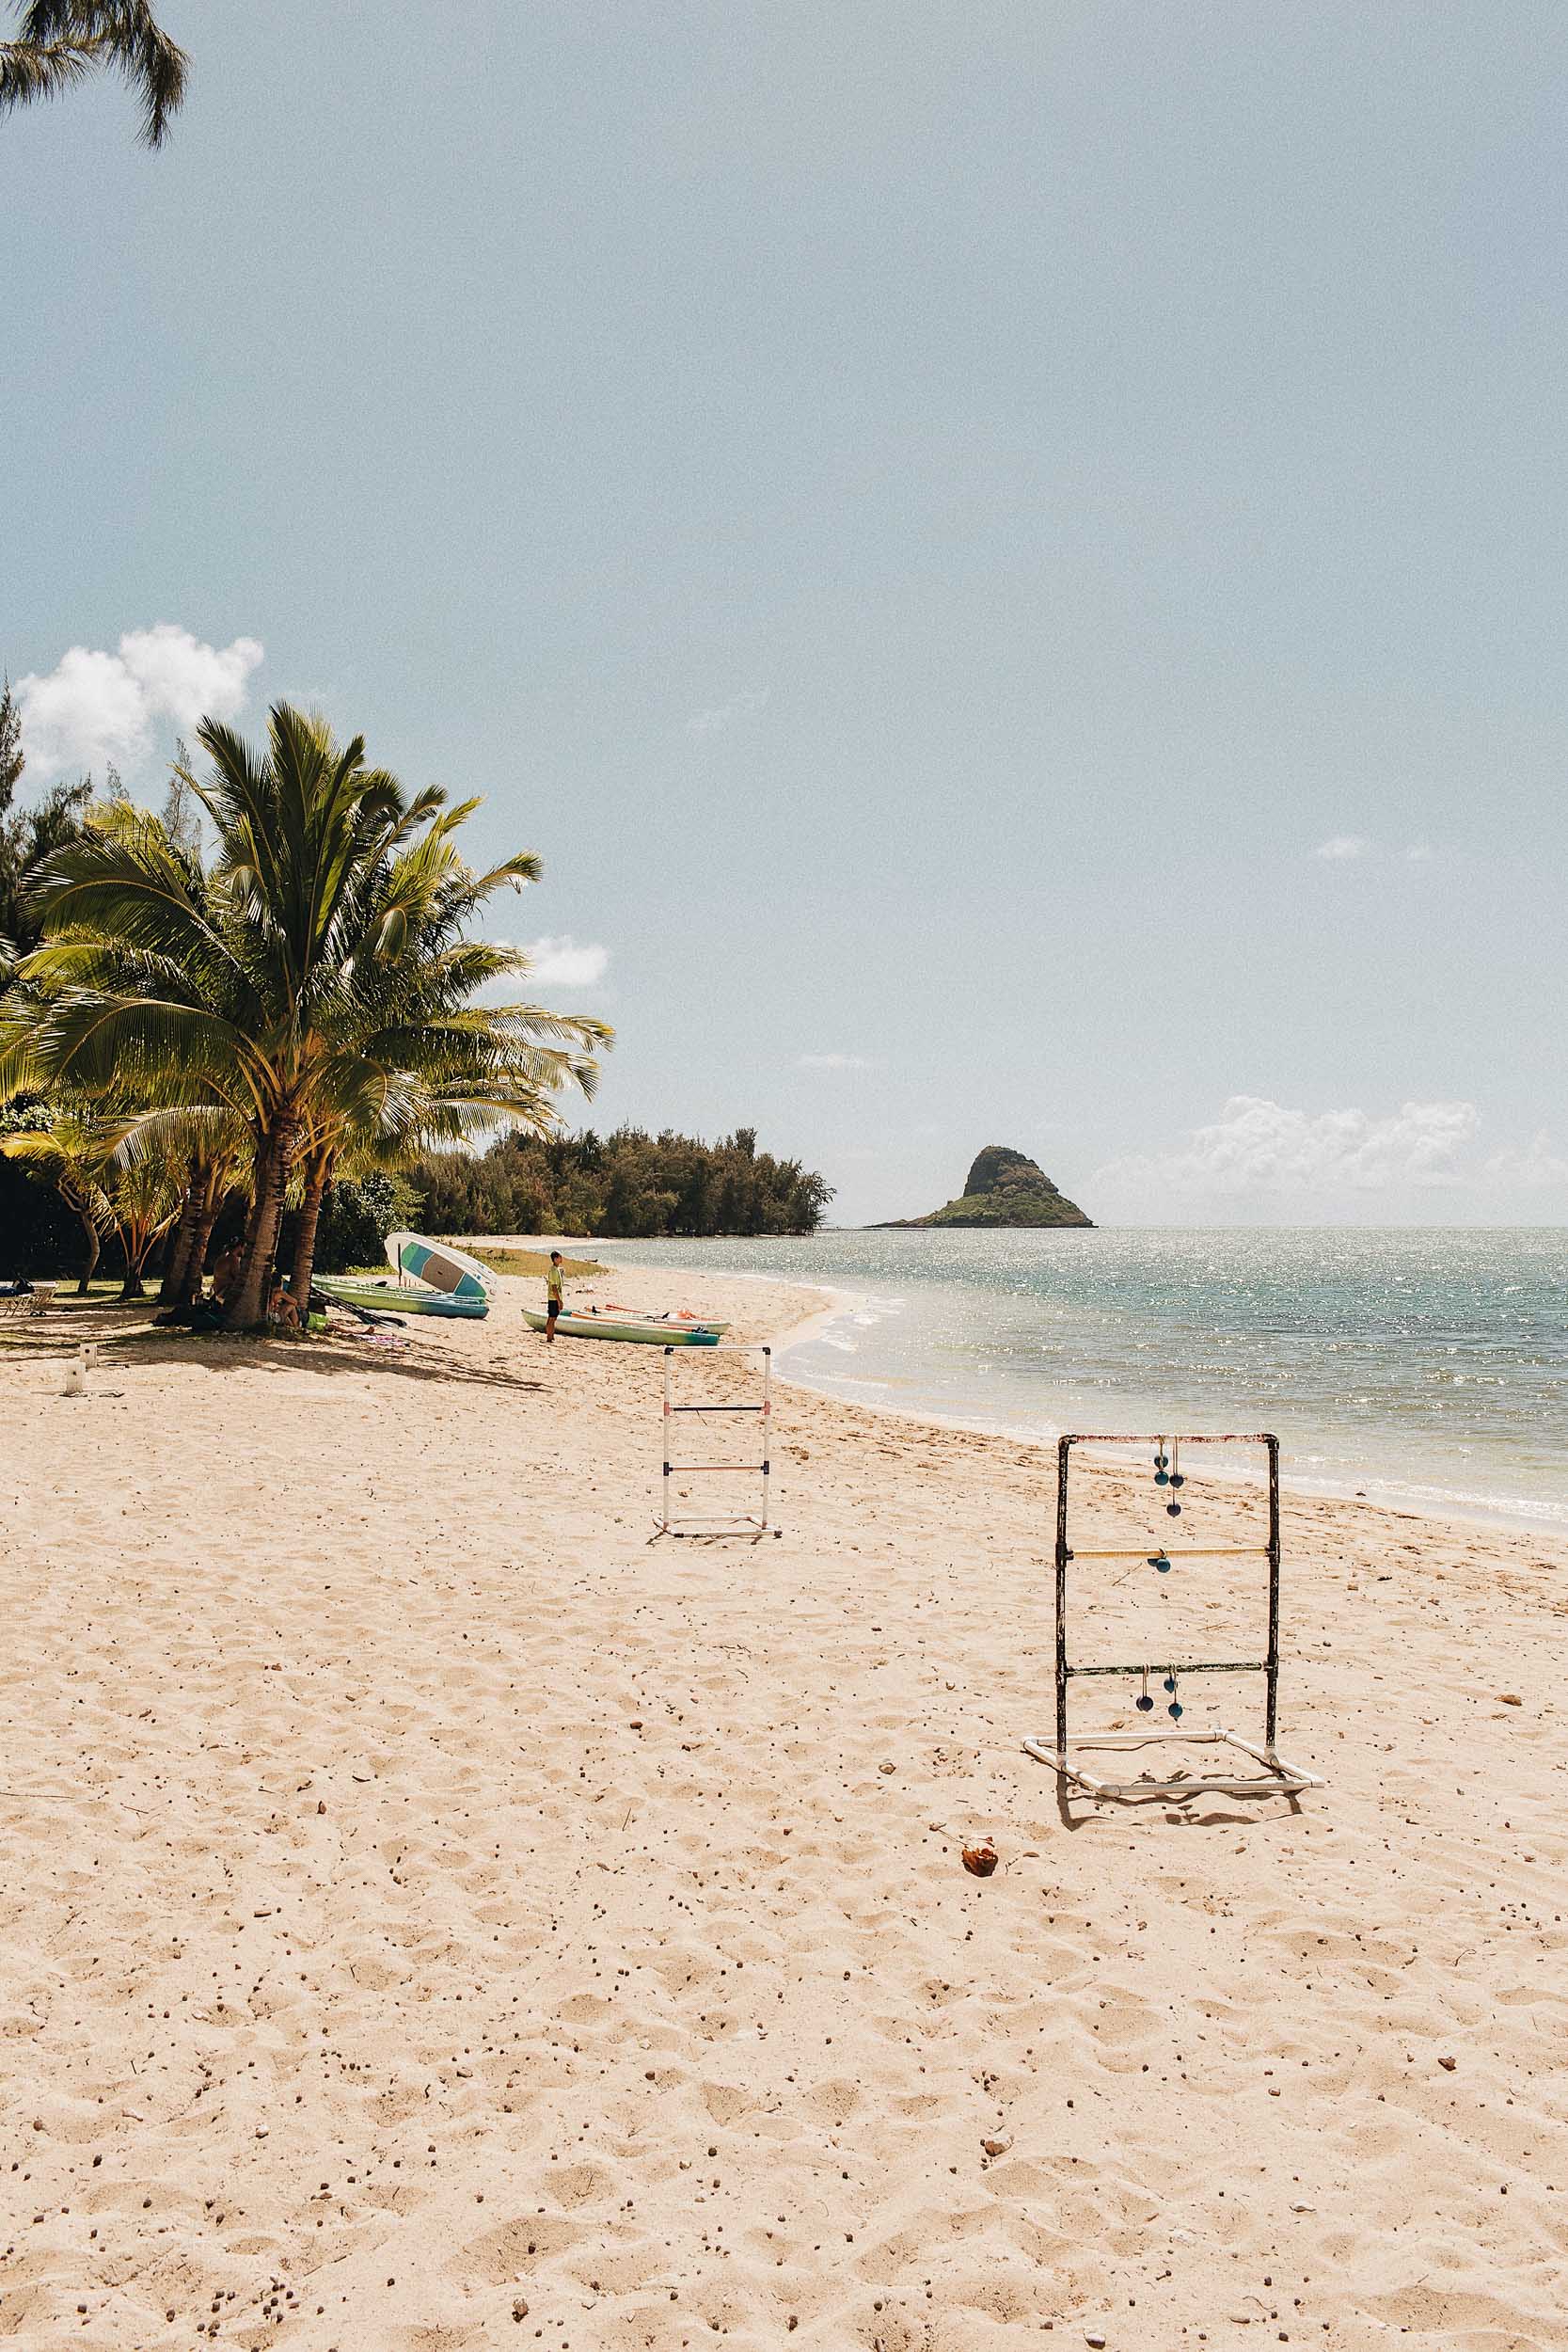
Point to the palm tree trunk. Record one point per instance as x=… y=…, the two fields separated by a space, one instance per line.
x=181 y=1240
x=138 y=1247
x=89 y=1227
x=195 y=1267
x=135 y=1258
x=248 y=1304
x=305 y=1233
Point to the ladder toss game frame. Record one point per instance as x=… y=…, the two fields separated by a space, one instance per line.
x=1277 y=1777
x=745 y=1523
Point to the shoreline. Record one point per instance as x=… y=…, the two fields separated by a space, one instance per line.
x=1442 y=1513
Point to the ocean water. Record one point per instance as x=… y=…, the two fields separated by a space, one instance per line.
x=1427 y=1368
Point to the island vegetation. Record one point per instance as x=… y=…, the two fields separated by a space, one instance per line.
x=1004 y=1188
x=629 y=1185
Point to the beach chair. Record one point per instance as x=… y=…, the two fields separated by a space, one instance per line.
x=16 y=1305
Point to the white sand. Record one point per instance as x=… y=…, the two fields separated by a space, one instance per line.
x=436 y=1915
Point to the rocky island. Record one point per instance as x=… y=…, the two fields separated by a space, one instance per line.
x=1004 y=1188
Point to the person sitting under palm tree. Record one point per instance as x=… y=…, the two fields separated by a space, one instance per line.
x=226 y=1274
x=284 y=1308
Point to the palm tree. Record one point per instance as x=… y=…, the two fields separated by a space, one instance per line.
x=208 y=1144
x=145 y=1190
x=206 y=989
x=312 y=983
x=136 y=1194
x=124 y=968
x=414 y=1061
x=62 y=41
x=69 y=1147
x=207 y=1141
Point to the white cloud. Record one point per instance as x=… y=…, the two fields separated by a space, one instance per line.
x=96 y=708
x=1419 y=851
x=832 y=1062
x=562 y=964
x=1342 y=846
x=1263 y=1150
x=1539 y=1167
x=1263 y=1162
x=725 y=714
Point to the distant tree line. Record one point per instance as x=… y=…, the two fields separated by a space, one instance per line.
x=629 y=1185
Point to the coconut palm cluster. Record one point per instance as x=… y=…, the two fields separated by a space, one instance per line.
x=289 y=991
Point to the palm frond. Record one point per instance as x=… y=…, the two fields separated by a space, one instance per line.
x=95 y=1042
x=62 y=40
x=33 y=71
x=127 y=885
x=209 y=1132
x=20 y=1071
x=526 y=867
x=531 y=1020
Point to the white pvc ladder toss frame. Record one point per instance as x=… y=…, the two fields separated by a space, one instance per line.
x=749 y=1523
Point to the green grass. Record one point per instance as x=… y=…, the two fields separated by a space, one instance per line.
x=534 y=1263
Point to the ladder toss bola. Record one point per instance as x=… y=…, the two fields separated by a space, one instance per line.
x=1277 y=1777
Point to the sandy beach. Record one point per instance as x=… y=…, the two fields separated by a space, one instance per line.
x=438 y=1913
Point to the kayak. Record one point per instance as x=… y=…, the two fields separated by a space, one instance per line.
x=642 y=1331
x=439 y=1266
x=400 y=1298
x=433 y=1278
x=676 y=1315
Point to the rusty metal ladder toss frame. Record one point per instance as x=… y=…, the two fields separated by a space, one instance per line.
x=1278 y=1777
x=744 y=1523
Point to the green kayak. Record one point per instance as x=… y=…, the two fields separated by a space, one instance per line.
x=642 y=1330
x=399 y=1298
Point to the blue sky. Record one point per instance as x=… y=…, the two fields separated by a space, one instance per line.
x=1009 y=560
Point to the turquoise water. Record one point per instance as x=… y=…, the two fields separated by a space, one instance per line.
x=1428 y=1368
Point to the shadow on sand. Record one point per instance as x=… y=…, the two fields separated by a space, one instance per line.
x=131 y=1333
x=1076 y=1810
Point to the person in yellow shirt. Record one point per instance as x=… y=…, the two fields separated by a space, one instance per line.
x=553 y=1296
